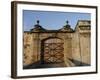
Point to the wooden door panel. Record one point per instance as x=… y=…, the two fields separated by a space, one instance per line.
x=53 y=51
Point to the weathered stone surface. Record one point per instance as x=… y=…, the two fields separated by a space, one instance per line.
x=76 y=46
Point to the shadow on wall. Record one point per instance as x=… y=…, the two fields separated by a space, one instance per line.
x=33 y=65
x=79 y=63
x=38 y=65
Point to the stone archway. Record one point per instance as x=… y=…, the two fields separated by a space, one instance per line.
x=53 y=52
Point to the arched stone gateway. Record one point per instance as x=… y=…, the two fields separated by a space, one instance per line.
x=57 y=48
x=52 y=52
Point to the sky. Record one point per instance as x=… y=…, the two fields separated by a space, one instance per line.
x=52 y=20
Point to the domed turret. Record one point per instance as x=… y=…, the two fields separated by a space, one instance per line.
x=37 y=27
x=66 y=27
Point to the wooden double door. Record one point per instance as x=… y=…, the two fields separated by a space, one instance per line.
x=52 y=51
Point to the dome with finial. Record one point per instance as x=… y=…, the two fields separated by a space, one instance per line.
x=67 y=27
x=67 y=24
x=37 y=27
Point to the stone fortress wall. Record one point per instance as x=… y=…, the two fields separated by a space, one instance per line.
x=77 y=43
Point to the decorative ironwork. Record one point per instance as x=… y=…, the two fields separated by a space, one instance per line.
x=53 y=51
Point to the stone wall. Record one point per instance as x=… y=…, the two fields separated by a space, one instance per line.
x=76 y=45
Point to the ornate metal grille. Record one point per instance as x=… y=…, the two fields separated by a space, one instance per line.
x=53 y=51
